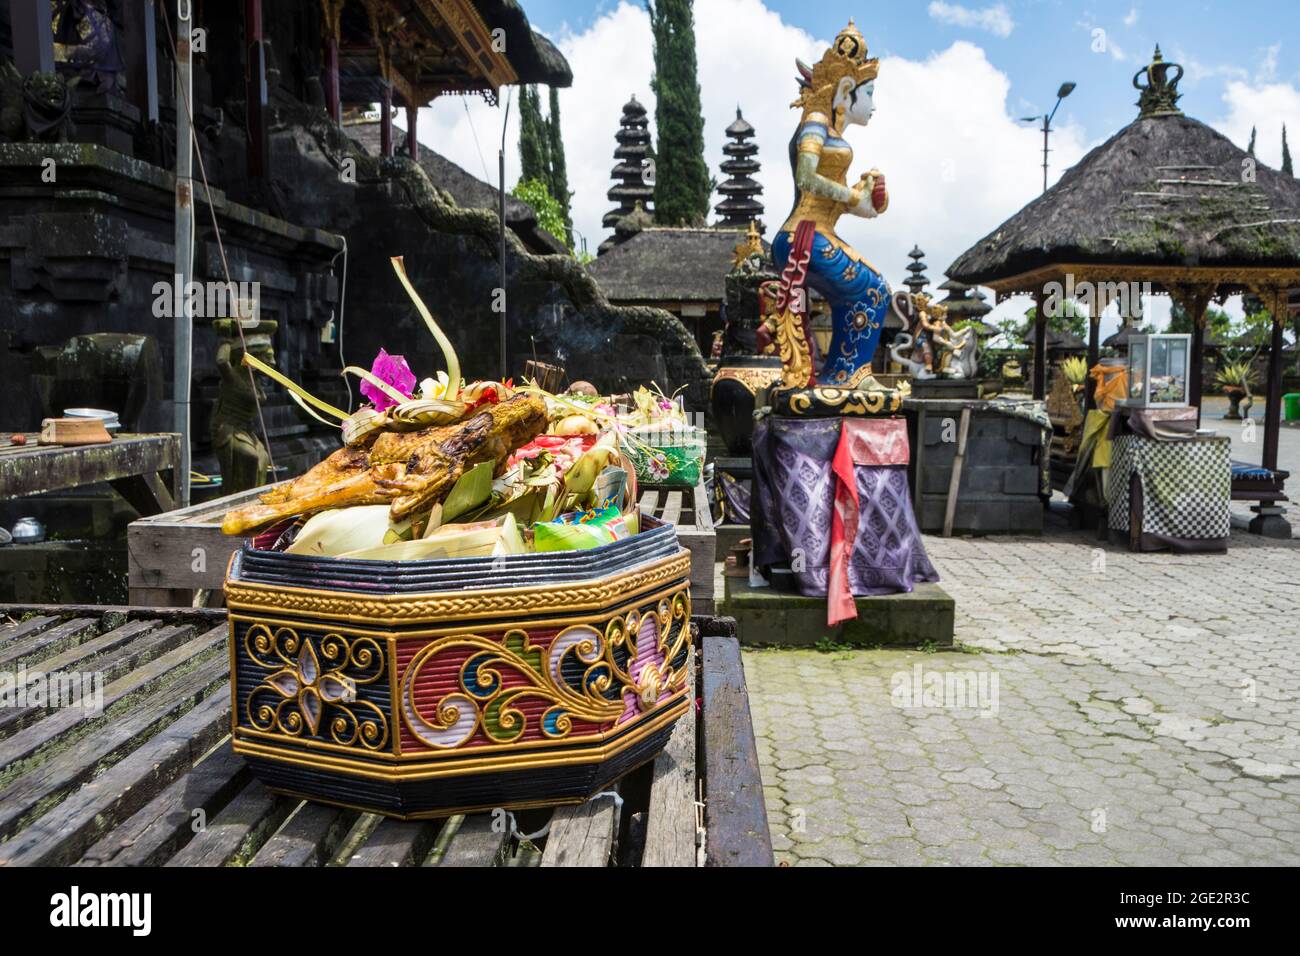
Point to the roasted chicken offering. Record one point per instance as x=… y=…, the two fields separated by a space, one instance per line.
x=412 y=470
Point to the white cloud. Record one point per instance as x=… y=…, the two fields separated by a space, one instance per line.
x=1267 y=71
x=944 y=134
x=995 y=19
x=1266 y=108
x=1132 y=18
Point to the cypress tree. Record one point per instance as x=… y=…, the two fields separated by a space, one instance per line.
x=559 y=173
x=533 y=147
x=1286 y=154
x=682 y=182
x=1250 y=150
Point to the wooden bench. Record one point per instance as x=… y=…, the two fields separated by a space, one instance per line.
x=173 y=556
x=688 y=509
x=151 y=779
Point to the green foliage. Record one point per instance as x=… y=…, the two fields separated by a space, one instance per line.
x=682 y=181
x=534 y=140
x=559 y=179
x=542 y=162
x=1237 y=375
x=550 y=214
x=1286 y=154
x=1075 y=369
x=1071 y=317
x=1250 y=150
x=1217 y=322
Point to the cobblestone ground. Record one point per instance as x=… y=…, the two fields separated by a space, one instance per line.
x=1146 y=710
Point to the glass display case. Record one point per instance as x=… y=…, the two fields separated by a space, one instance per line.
x=1159 y=370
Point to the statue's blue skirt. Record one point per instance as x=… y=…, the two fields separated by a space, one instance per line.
x=859 y=300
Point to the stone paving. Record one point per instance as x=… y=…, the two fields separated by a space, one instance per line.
x=1119 y=709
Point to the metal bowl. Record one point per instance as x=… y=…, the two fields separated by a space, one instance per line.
x=28 y=531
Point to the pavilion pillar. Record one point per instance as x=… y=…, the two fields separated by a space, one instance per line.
x=332 y=11
x=412 y=141
x=1273 y=411
x=1196 y=387
x=32 y=27
x=255 y=93
x=1040 y=345
x=141 y=53
x=386 y=121
x=1094 y=355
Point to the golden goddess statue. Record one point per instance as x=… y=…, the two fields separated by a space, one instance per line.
x=836 y=93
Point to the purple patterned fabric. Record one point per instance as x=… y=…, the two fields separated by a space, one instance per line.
x=794 y=496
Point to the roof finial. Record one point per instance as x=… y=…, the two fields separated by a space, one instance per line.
x=1160 y=94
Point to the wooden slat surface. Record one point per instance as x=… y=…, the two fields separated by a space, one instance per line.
x=477 y=841
x=152 y=780
x=309 y=838
x=61 y=835
x=238 y=831
x=156 y=831
x=70 y=767
x=396 y=843
x=670 y=824
x=582 y=835
x=31 y=740
x=35 y=647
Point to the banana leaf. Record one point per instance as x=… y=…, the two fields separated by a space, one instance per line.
x=471 y=491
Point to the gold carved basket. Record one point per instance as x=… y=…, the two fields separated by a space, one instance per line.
x=427 y=688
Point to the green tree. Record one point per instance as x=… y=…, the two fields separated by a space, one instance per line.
x=1250 y=150
x=1070 y=317
x=1286 y=154
x=559 y=173
x=682 y=181
x=1218 y=324
x=550 y=214
x=534 y=144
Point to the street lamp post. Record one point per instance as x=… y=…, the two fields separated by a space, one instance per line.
x=1065 y=90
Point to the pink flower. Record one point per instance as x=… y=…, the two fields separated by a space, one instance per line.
x=393 y=370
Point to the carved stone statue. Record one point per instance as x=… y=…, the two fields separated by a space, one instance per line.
x=935 y=349
x=833 y=95
x=244 y=459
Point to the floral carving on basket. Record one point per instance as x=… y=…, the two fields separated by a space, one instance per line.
x=304 y=696
x=599 y=676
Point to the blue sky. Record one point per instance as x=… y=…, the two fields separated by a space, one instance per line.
x=956 y=77
x=1053 y=40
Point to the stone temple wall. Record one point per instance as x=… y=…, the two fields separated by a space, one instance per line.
x=555 y=311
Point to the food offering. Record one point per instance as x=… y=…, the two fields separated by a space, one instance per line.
x=461 y=608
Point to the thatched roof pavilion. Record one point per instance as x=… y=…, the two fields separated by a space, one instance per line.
x=1166 y=204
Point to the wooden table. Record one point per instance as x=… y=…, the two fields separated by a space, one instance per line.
x=143 y=469
x=176 y=554
x=151 y=780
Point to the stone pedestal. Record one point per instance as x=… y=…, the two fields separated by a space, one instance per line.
x=949 y=388
x=106 y=119
x=1001 y=475
x=1270 y=522
x=767 y=617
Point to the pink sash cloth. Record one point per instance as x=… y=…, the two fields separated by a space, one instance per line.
x=863 y=441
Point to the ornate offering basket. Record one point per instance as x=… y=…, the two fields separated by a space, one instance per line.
x=425 y=688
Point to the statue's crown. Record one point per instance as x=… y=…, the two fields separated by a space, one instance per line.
x=847 y=56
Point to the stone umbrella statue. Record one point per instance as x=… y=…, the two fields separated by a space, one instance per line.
x=1166 y=202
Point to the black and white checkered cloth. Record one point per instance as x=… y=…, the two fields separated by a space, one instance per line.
x=1186 y=486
